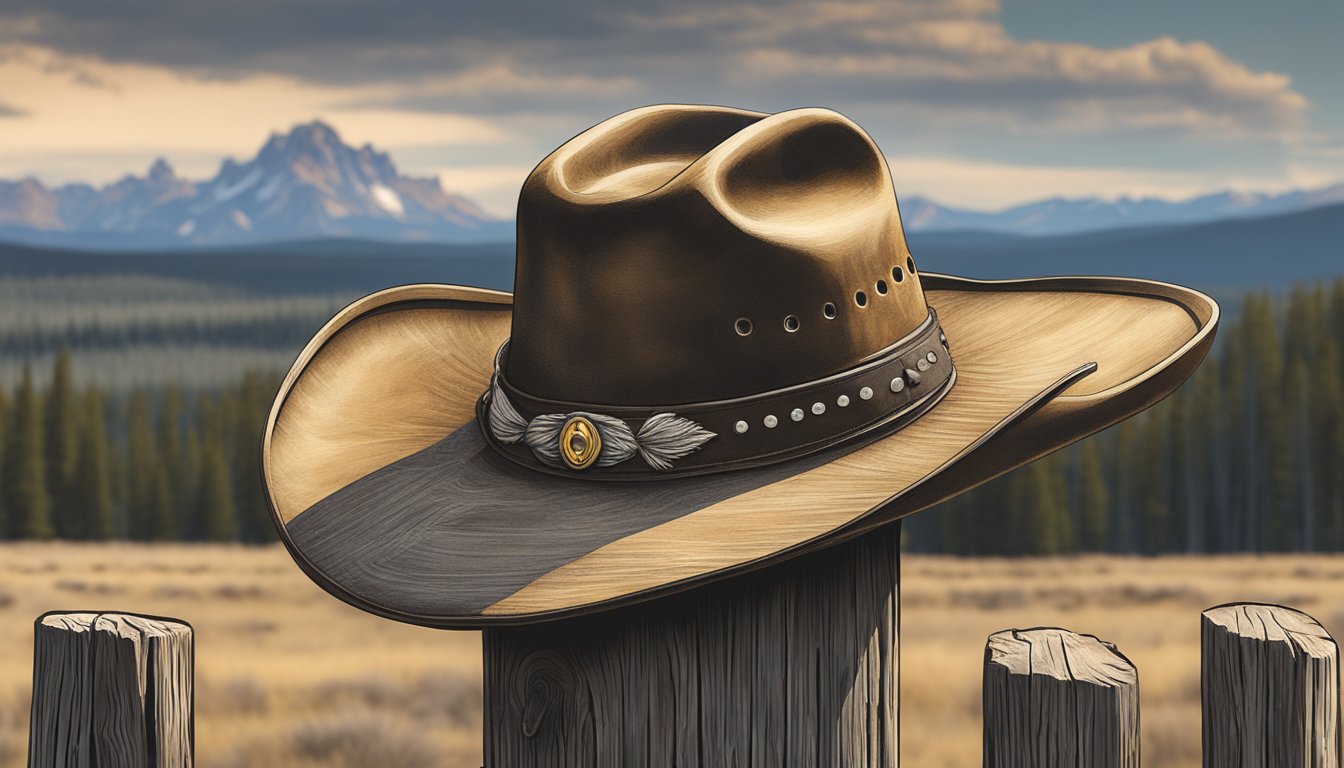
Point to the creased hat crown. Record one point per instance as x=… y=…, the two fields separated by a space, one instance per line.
x=678 y=254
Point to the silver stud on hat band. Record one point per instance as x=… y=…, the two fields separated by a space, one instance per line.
x=771 y=422
x=796 y=414
x=741 y=427
x=866 y=393
x=818 y=408
x=842 y=401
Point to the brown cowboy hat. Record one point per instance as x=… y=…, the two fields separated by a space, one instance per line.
x=719 y=354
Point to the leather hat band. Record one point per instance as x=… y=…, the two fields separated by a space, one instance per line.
x=601 y=442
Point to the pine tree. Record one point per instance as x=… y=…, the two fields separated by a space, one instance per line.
x=162 y=511
x=215 y=503
x=1016 y=504
x=1297 y=528
x=1048 y=526
x=1125 y=458
x=249 y=417
x=1236 y=430
x=1327 y=373
x=1093 y=499
x=1066 y=529
x=25 y=469
x=91 y=489
x=1153 y=493
x=1175 y=416
x=4 y=471
x=1270 y=456
x=1336 y=319
x=61 y=422
x=176 y=491
x=141 y=466
x=971 y=521
x=215 y=512
x=189 y=524
x=116 y=468
x=1299 y=410
x=1206 y=442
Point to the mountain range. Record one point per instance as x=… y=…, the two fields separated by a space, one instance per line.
x=306 y=183
x=1060 y=216
x=1226 y=258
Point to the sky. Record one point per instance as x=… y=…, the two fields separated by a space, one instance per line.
x=975 y=103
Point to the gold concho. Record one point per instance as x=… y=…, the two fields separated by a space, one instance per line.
x=579 y=443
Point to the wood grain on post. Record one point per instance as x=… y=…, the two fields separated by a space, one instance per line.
x=111 y=689
x=1270 y=689
x=1056 y=698
x=795 y=665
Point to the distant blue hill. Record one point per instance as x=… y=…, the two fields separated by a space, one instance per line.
x=1057 y=215
x=1226 y=258
x=307 y=267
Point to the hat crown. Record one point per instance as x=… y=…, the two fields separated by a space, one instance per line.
x=678 y=254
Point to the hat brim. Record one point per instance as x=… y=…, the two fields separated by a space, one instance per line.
x=386 y=494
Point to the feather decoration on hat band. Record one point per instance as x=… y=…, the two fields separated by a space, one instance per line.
x=662 y=439
x=666 y=437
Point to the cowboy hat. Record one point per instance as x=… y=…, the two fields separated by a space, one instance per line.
x=719 y=354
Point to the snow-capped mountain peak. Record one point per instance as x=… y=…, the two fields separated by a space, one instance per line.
x=305 y=183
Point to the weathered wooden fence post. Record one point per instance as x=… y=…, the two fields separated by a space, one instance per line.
x=1053 y=698
x=1270 y=687
x=794 y=665
x=111 y=689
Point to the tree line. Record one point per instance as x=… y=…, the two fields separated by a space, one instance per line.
x=83 y=464
x=280 y=331
x=1247 y=456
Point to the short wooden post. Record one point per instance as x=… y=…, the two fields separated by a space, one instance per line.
x=111 y=689
x=1270 y=688
x=795 y=665
x=1054 y=698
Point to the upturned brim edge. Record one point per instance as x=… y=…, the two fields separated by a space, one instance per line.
x=339 y=467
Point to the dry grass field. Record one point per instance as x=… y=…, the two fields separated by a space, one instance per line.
x=288 y=676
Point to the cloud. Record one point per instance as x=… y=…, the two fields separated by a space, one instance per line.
x=82 y=107
x=494 y=187
x=950 y=57
x=971 y=62
x=498 y=83
x=93 y=89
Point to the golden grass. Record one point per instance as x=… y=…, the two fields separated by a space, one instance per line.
x=288 y=676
